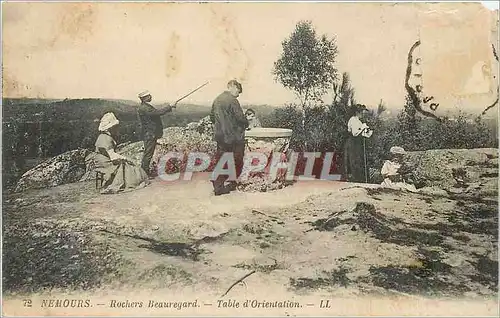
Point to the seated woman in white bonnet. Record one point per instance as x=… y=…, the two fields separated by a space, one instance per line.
x=120 y=174
x=391 y=171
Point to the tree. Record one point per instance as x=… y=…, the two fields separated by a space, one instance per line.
x=381 y=108
x=306 y=65
x=409 y=125
x=339 y=112
x=343 y=98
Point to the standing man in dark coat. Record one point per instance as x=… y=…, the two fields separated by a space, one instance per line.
x=230 y=124
x=151 y=127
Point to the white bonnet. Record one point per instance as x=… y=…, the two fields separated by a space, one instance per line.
x=107 y=121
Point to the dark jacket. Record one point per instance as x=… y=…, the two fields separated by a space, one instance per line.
x=229 y=121
x=150 y=119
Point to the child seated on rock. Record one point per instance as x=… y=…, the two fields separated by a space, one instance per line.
x=395 y=172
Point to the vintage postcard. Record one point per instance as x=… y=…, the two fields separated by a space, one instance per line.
x=249 y=159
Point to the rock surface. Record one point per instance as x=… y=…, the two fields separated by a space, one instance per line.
x=451 y=168
x=65 y=168
x=204 y=126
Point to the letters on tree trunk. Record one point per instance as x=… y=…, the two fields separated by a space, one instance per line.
x=416 y=92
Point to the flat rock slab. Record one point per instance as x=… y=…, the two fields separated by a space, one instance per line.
x=260 y=132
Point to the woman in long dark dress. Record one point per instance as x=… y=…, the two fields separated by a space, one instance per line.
x=354 y=150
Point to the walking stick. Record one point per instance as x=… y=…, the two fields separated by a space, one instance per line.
x=191 y=92
x=364 y=154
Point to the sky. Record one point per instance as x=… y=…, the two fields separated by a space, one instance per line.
x=116 y=50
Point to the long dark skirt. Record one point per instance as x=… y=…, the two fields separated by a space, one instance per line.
x=354 y=161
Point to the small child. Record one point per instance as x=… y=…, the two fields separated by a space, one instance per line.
x=392 y=171
x=253 y=121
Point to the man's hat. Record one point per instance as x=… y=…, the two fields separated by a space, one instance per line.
x=235 y=83
x=144 y=94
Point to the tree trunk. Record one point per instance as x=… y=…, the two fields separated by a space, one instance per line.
x=303 y=125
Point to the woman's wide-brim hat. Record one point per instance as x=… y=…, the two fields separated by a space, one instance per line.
x=397 y=151
x=360 y=108
x=107 y=121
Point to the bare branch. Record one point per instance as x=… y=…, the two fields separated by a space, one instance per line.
x=496 y=101
x=238 y=281
x=490 y=107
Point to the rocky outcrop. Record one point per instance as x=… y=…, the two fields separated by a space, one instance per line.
x=204 y=126
x=65 y=168
x=453 y=168
x=183 y=140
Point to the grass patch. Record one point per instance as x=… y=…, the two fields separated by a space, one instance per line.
x=45 y=256
x=414 y=280
x=336 y=277
x=487 y=272
x=165 y=274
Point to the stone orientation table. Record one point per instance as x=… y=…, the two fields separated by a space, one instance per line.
x=267 y=141
x=272 y=133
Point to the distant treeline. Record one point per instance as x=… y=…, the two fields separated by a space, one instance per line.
x=45 y=129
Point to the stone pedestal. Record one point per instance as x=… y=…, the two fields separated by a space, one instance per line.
x=267 y=141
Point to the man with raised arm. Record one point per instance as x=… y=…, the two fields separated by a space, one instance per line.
x=151 y=127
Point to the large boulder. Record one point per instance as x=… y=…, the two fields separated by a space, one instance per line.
x=204 y=126
x=451 y=168
x=65 y=168
x=183 y=140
